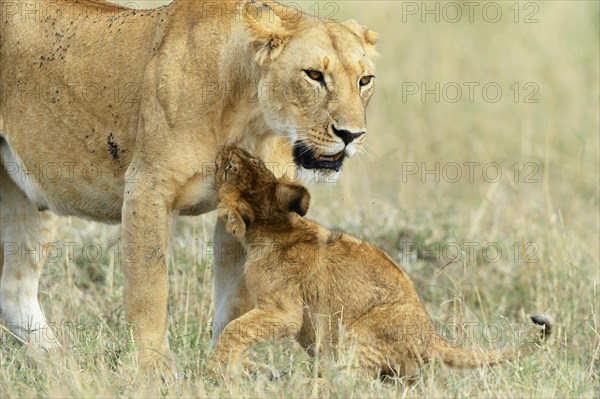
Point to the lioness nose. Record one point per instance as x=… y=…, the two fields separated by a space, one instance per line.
x=346 y=135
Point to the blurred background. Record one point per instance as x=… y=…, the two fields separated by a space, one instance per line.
x=481 y=177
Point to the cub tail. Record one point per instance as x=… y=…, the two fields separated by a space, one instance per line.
x=471 y=358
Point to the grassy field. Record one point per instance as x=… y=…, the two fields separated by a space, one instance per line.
x=491 y=203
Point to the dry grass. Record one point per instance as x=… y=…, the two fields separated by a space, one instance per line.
x=556 y=216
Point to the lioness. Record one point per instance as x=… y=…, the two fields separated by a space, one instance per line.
x=306 y=281
x=128 y=108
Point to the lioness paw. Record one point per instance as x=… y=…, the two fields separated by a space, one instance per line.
x=161 y=366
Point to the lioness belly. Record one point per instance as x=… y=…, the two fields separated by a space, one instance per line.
x=63 y=184
x=70 y=103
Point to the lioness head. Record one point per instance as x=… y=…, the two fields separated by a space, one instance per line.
x=247 y=192
x=317 y=77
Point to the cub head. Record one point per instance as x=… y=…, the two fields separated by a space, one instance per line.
x=316 y=80
x=248 y=192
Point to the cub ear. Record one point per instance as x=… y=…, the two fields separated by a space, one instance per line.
x=236 y=214
x=265 y=20
x=366 y=35
x=293 y=197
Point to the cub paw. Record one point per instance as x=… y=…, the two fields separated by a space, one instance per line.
x=234 y=224
x=212 y=369
x=216 y=370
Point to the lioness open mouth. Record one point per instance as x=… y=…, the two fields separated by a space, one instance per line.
x=306 y=158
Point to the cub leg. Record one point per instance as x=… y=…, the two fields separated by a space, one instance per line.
x=255 y=326
x=24 y=231
x=391 y=339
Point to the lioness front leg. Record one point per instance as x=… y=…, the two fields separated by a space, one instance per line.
x=230 y=293
x=256 y=326
x=147 y=217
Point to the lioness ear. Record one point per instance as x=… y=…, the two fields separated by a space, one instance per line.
x=236 y=214
x=368 y=37
x=293 y=197
x=266 y=26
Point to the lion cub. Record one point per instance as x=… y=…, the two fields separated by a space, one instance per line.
x=307 y=282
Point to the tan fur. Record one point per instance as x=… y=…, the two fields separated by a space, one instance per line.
x=305 y=281
x=146 y=97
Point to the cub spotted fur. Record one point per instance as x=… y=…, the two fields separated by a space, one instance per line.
x=306 y=281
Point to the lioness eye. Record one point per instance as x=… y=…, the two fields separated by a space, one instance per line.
x=315 y=75
x=365 y=80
